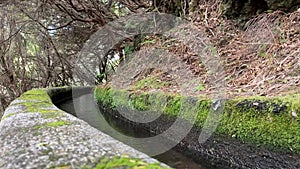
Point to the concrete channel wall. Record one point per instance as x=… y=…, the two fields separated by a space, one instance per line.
x=34 y=133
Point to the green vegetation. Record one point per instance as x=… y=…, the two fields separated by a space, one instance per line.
x=36 y=94
x=264 y=121
x=128 y=50
x=258 y=120
x=149 y=82
x=125 y=162
x=52 y=124
x=200 y=87
x=37 y=101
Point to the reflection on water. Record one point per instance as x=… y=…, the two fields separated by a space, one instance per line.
x=85 y=109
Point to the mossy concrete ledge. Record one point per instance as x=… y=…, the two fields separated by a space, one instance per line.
x=36 y=134
x=273 y=122
x=254 y=132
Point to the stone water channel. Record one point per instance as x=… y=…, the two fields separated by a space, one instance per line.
x=217 y=152
x=36 y=134
x=84 y=108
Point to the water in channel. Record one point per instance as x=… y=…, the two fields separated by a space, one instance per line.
x=83 y=108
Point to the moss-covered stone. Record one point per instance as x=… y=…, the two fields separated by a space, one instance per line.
x=38 y=101
x=262 y=121
x=37 y=95
x=52 y=124
x=259 y=120
x=34 y=104
x=124 y=162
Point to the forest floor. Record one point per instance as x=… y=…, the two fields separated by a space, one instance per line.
x=262 y=57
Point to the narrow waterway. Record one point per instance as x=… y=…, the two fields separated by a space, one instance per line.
x=86 y=110
x=219 y=151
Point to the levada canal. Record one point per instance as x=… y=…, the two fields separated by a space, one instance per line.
x=216 y=152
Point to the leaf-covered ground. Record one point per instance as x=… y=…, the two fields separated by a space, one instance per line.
x=260 y=57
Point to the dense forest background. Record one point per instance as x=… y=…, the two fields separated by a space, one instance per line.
x=40 y=40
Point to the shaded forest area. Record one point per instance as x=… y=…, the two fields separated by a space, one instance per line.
x=257 y=40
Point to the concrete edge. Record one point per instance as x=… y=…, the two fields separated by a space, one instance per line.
x=34 y=133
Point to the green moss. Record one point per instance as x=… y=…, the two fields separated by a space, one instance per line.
x=173 y=106
x=52 y=124
x=259 y=120
x=57 y=124
x=262 y=121
x=40 y=107
x=268 y=122
x=294 y=99
x=149 y=82
x=50 y=114
x=36 y=94
x=37 y=101
x=125 y=162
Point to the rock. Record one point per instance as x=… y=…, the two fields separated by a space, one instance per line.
x=247 y=8
x=294 y=114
